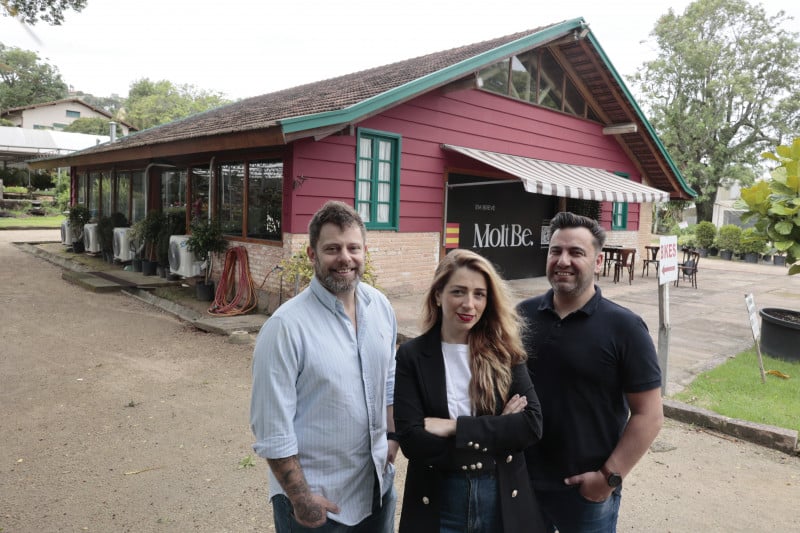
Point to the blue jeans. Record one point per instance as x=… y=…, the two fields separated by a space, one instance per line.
x=380 y=521
x=470 y=504
x=566 y=511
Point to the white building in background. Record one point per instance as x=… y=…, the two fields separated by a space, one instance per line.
x=59 y=114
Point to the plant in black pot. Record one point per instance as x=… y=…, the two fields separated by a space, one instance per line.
x=728 y=240
x=137 y=245
x=174 y=224
x=206 y=240
x=752 y=244
x=151 y=226
x=79 y=216
x=105 y=232
x=705 y=233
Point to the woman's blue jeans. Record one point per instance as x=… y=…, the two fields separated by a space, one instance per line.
x=566 y=511
x=470 y=504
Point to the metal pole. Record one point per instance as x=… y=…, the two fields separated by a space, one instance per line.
x=663 y=333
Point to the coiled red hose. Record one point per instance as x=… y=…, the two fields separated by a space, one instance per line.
x=236 y=294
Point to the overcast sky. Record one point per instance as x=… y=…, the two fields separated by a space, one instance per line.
x=245 y=48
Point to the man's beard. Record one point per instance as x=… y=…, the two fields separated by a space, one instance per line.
x=334 y=284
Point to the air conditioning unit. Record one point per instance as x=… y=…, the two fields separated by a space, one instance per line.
x=66 y=233
x=181 y=260
x=122 y=245
x=91 y=239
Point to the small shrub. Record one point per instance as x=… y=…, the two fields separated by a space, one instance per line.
x=705 y=233
x=729 y=237
x=752 y=242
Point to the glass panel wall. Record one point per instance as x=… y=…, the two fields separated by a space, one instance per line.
x=107 y=191
x=124 y=194
x=94 y=194
x=138 y=204
x=201 y=192
x=264 y=199
x=173 y=188
x=82 y=189
x=231 y=198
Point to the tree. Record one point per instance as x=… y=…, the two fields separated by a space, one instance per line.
x=152 y=103
x=32 y=11
x=24 y=80
x=90 y=125
x=722 y=89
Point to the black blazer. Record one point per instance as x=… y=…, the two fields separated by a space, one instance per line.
x=420 y=391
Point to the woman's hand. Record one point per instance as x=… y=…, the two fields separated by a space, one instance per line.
x=515 y=404
x=441 y=427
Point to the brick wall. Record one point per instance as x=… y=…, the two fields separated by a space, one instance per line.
x=404 y=264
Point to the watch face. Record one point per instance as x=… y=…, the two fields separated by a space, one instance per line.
x=614 y=480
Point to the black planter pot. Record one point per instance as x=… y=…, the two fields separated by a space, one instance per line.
x=136 y=264
x=78 y=246
x=703 y=252
x=713 y=252
x=204 y=292
x=751 y=257
x=161 y=271
x=149 y=267
x=726 y=254
x=780 y=333
x=779 y=260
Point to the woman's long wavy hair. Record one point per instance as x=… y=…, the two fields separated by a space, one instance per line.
x=495 y=343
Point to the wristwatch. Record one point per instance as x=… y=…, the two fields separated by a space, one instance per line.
x=612 y=478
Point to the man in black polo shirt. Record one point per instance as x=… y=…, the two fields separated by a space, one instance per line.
x=593 y=364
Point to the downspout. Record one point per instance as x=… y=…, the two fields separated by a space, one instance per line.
x=210 y=182
x=147 y=182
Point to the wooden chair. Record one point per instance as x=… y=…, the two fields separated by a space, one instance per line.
x=625 y=262
x=687 y=269
x=610 y=257
x=650 y=256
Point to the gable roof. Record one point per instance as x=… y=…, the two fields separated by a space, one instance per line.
x=323 y=107
x=103 y=112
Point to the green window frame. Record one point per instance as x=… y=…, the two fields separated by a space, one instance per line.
x=377 y=195
x=73 y=114
x=619 y=210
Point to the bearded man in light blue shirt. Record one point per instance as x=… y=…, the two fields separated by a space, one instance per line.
x=323 y=388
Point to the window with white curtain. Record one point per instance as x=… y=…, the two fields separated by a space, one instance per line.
x=378 y=179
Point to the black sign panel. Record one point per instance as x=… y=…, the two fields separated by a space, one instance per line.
x=502 y=222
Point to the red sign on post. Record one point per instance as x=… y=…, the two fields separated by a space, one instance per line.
x=668 y=259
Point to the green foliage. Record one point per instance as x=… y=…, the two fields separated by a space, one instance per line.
x=729 y=237
x=174 y=224
x=735 y=389
x=247 y=462
x=105 y=232
x=206 y=239
x=687 y=240
x=146 y=233
x=298 y=268
x=752 y=242
x=722 y=87
x=775 y=204
x=153 y=103
x=33 y=11
x=15 y=190
x=89 y=125
x=705 y=233
x=24 y=80
x=79 y=215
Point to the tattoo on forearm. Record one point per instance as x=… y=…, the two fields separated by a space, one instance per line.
x=290 y=475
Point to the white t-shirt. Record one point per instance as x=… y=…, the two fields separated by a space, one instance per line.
x=457 y=375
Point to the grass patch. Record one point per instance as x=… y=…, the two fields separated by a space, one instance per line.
x=32 y=222
x=734 y=389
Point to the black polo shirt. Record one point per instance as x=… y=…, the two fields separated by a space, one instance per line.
x=582 y=366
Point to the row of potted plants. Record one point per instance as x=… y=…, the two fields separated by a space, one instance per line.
x=730 y=240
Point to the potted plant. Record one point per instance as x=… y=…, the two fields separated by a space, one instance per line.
x=151 y=226
x=705 y=233
x=728 y=240
x=79 y=216
x=752 y=244
x=105 y=232
x=137 y=245
x=205 y=240
x=174 y=224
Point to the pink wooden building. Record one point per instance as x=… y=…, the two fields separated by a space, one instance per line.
x=476 y=147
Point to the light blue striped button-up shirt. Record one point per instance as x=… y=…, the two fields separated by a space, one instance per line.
x=320 y=392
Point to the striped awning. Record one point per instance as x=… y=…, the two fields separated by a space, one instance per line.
x=560 y=179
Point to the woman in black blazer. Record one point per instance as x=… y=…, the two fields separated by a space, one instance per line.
x=465 y=408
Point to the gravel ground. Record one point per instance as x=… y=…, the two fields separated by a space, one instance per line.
x=115 y=416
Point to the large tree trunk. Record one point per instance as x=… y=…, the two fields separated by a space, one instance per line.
x=705 y=210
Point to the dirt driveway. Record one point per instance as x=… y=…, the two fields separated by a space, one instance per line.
x=117 y=417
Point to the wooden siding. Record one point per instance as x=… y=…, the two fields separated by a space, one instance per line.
x=472 y=118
